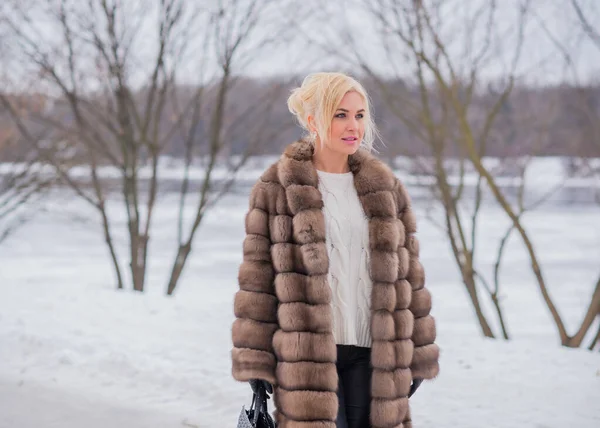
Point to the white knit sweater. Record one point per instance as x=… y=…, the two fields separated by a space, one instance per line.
x=347 y=239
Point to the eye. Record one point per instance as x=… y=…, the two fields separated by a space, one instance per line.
x=360 y=115
x=340 y=115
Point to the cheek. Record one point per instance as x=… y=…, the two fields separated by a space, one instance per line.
x=361 y=127
x=337 y=129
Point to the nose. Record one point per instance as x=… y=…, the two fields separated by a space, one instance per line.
x=352 y=124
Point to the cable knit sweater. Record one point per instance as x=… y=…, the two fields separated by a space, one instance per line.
x=347 y=238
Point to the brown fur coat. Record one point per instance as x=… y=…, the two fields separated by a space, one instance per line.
x=283 y=327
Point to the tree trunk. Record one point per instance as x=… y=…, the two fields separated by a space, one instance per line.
x=111 y=247
x=500 y=316
x=466 y=269
x=591 y=314
x=182 y=254
x=472 y=290
x=595 y=341
x=139 y=245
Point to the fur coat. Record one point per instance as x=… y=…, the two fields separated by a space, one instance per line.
x=283 y=327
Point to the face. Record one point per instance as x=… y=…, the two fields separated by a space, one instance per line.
x=348 y=125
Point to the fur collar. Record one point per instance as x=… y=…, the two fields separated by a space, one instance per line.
x=370 y=174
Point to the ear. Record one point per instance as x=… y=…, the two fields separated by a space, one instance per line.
x=312 y=126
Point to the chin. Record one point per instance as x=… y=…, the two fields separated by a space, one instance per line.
x=350 y=150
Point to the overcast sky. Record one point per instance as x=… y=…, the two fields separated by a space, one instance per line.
x=343 y=27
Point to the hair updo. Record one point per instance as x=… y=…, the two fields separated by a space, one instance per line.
x=320 y=95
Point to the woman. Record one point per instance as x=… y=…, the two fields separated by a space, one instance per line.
x=332 y=310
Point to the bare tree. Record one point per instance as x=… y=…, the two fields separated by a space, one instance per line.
x=590 y=114
x=470 y=143
x=583 y=124
x=234 y=27
x=128 y=81
x=448 y=80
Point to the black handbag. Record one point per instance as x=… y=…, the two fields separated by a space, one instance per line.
x=257 y=416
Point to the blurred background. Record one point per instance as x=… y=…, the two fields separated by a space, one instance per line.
x=131 y=132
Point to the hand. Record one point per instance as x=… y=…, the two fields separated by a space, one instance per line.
x=414 y=386
x=257 y=384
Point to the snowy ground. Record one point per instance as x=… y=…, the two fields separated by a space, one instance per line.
x=76 y=353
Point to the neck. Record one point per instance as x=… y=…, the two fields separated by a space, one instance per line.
x=328 y=160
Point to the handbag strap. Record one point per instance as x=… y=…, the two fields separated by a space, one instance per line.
x=258 y=400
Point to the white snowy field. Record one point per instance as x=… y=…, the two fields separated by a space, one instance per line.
x=74 y=352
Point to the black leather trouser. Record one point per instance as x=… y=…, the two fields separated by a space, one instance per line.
x=354 y=387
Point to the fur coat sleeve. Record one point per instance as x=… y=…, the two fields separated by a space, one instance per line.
x=255 y=303
x=424 y=364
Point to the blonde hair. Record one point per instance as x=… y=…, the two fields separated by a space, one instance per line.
x=320 y=95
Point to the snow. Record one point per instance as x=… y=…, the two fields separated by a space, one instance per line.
x=74 y=352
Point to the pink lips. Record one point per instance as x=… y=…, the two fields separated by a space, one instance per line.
x=350 y=140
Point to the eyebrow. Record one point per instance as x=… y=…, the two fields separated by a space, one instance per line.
x=348 y=111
